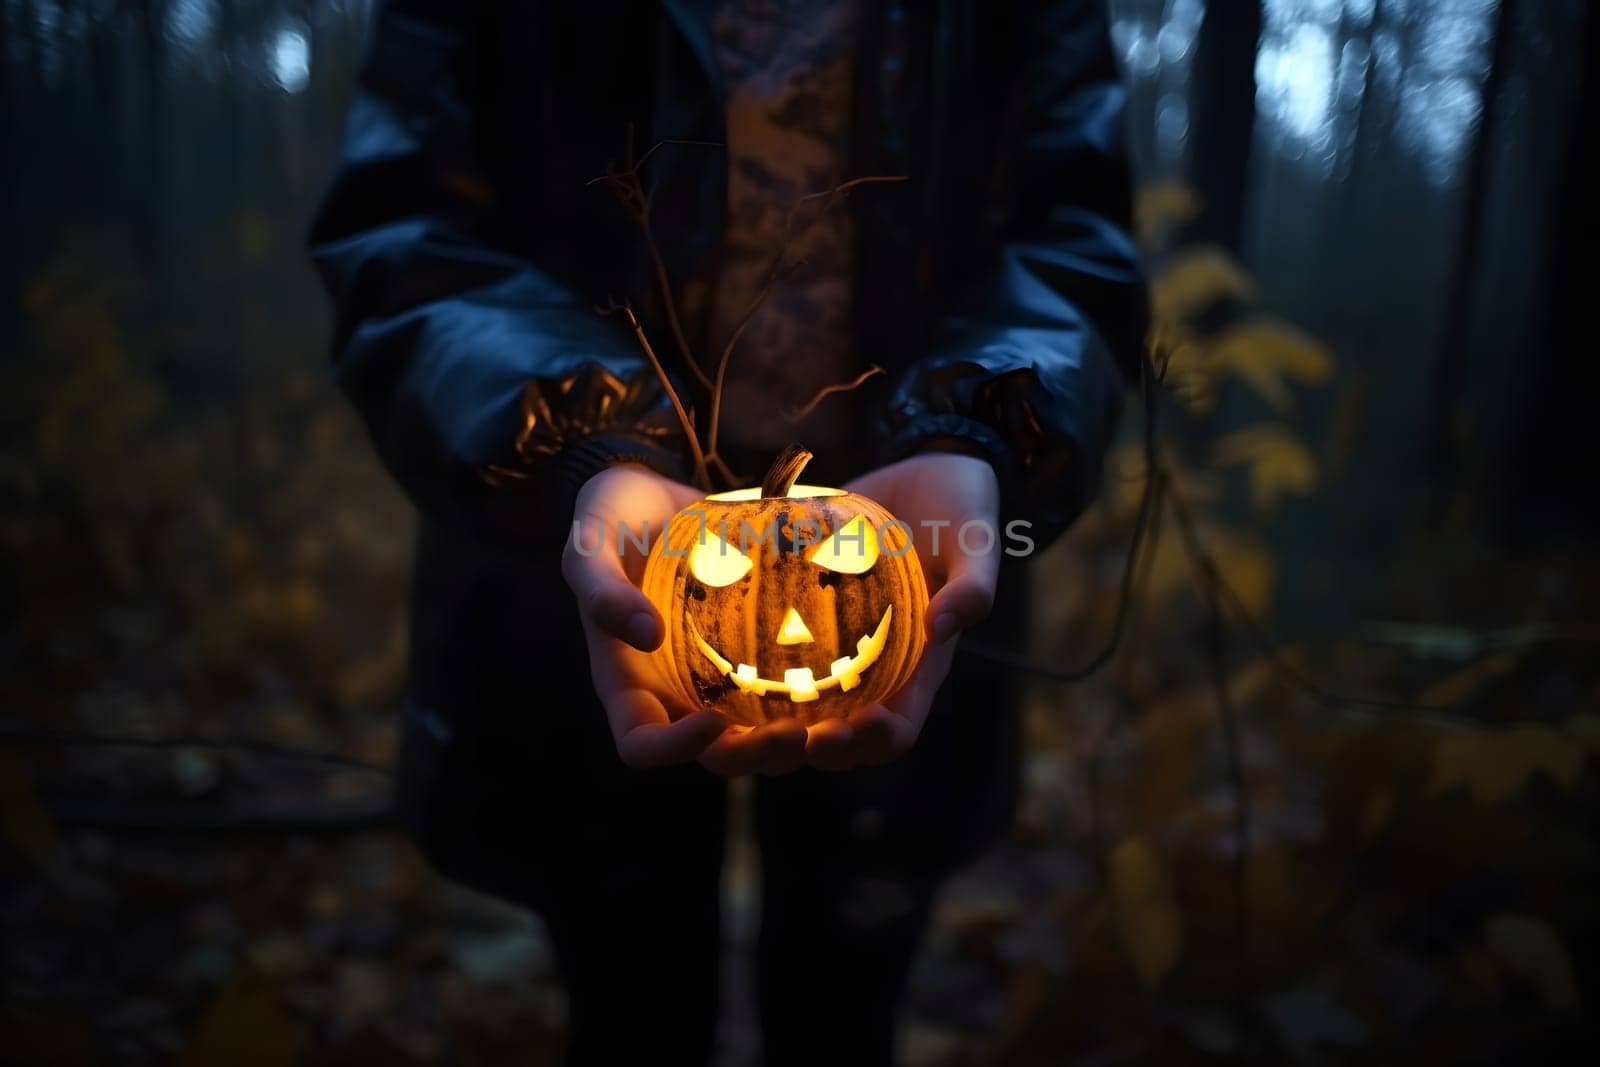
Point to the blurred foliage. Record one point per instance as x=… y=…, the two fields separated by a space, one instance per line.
x=1411 y=885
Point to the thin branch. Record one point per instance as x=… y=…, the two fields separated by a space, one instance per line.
x=826 y=391
x=1208 y=571
x=831 y=196
x=777 y=269
x=727 y=351
x=722 y=470
x=677 y=141
x=625 y=182
x=1155 y=482
x=1144 y=566
x=702 y=479
x=665 y=285
x=1232 y=743
x=1160 y=487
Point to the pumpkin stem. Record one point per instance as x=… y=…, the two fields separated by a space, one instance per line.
x=784 y=471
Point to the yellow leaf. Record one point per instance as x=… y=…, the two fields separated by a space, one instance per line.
x=1193 y=280
x=1245 y=564
x=1146 y=912
x=1160 y=206
x=1168 y=734
x=1585 y=730
x=1278 y=462
x=247 y=1025
x=1251 y=680
x=1547 y=749
x=1264 y=353
x=1456 y=687
x=1529 y=948
x=1492 y=765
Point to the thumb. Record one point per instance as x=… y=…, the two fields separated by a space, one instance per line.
x=967 y=595
x=962 y=603
x=606 y=598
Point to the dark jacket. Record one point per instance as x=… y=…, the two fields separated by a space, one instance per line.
x=465 y=247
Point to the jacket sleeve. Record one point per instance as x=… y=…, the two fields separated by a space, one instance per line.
x=491 y=391
x=1030 y=371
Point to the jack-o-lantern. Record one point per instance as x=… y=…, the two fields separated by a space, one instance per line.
x=787 y=601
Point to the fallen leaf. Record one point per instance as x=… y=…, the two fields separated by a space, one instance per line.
x=1585 y=730
x=245 y=1025
x=1492 y=765
x=1530 y=949
x=1146 y=912
x=1456 y=687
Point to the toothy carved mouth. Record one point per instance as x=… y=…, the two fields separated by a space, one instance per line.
x=799 y=683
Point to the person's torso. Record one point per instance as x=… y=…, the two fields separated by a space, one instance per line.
x=781 y=288
x=565 y=82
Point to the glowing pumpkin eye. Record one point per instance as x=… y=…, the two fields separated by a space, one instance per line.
x=852 y=549
x=716 y=563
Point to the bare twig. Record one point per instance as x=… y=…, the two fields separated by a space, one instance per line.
x=826 y=391
x=832 y=196
x=1232 y=743
x=701 y=477
x=1155 y=483
x=675 y=141
x=1210 y=574
x=778 y=268
x=727 y=475
x=727 y=351
x=626 y=183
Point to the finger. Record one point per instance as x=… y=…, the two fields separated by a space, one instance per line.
x=605 y=596
x=830 y=745
x=967 y=595
x=963 y=602
x=657 y=742
x=909 y=708
x=878 y=735
x=786 y=749
x=738 y=751
x=750 y=751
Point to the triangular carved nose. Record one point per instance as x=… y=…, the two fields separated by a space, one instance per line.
x=792 y=630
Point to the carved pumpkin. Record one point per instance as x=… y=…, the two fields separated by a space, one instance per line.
x=787 y=601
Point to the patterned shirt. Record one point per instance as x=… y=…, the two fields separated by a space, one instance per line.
x=789 y=70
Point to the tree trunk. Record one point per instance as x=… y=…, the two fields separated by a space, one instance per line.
x=1222 y=119
x=1447 y=435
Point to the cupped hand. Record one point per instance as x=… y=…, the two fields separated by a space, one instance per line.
x=952 y=502
x=603 y=566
